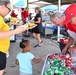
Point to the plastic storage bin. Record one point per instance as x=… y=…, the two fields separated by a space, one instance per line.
x=46 y=66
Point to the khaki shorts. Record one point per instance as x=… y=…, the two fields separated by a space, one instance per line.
x=21 y=73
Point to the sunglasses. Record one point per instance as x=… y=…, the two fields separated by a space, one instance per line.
x=8 y=8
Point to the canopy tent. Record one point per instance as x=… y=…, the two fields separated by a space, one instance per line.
x=63 y=2
x=20 y=3
x=31 y=5
x=64 y=7
x=49 y=7
x=40 y=3
x=55 y=8
x=36 y=3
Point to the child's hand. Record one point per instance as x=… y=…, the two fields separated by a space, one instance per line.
x=72 y=49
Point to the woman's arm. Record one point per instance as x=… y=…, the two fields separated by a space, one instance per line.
x=6 y=34
x=38 y=20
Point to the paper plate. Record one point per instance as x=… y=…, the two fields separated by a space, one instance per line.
x=26 y=26
x=32 y=26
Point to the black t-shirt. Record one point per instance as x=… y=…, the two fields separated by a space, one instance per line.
x=36 y=19
x=38 y=28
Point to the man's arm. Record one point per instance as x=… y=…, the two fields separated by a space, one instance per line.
x=71 y=40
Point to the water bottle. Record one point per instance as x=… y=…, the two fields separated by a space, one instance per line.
x=47 y=66
x=73 y=56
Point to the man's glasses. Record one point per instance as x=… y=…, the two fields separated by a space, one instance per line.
x=8 y=8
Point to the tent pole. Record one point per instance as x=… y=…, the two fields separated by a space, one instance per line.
x=11 y=3
x=28 y=4
x=59 y=3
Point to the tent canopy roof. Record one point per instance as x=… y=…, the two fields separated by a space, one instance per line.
x=62 y=1
x=56 y=1
x=40 y=3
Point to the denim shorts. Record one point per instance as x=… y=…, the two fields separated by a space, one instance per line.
x=21 y=73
